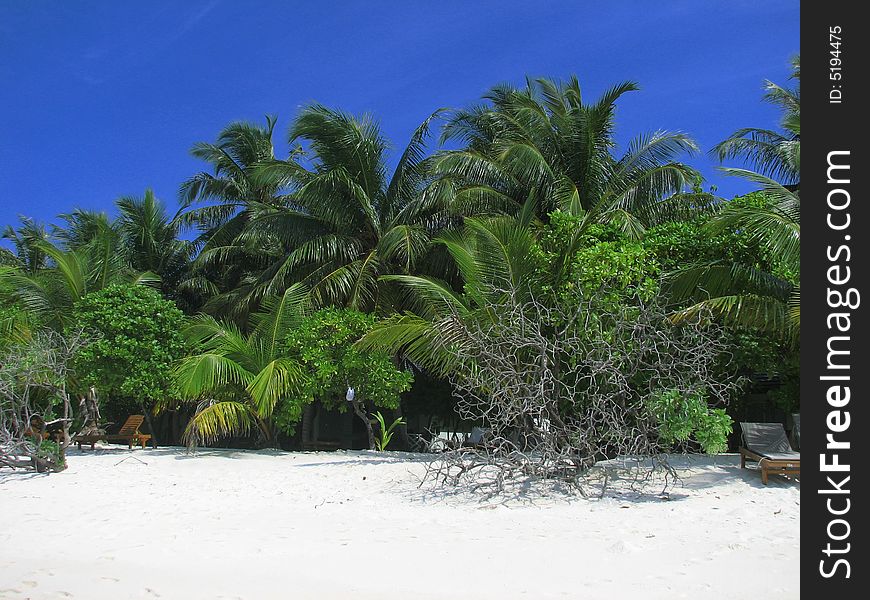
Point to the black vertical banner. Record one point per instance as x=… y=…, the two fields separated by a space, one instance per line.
x=835 y=339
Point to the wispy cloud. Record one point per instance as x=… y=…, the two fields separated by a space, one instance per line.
x=110 y=56
x=193 y=19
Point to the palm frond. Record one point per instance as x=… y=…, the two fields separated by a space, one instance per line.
x=216 y=420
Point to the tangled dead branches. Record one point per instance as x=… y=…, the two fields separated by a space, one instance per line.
x=557 y=393
x=35 y=402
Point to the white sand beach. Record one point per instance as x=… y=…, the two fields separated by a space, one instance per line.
x=261 y=525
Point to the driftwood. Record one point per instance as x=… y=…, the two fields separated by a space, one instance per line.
x=33 y=385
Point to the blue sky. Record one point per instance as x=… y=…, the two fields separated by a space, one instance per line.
x=104 y=99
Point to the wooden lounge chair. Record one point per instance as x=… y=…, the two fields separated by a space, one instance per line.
x=91 y=438
x=129 y=433
x=767 y=444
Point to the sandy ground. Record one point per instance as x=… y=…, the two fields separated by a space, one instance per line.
x=260 y=525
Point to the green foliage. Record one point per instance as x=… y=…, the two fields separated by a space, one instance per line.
x=547 y=142
x=746 y=294
x=237 y=381
x=774 y=154
x=787 y=396
x=324 y=347
x=288 y=413
x=713 y=430
x=385 y=434
x=348 y=222
x=30 y=372
x=616 y=271
x=51 y=451
x=137 y=338
x=678 y=244
x=682 y=243
x=598 y=261
x=566 y=231
x=682 y=416
x=535 y=200
x=15 y=325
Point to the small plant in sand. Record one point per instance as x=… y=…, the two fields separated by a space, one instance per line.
x=385 y=433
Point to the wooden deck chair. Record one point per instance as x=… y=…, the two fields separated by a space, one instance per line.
x=129 y=432
x=767 y=444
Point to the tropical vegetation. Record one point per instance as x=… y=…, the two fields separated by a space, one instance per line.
x=331 y=275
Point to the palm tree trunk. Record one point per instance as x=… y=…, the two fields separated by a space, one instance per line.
x=266 y=432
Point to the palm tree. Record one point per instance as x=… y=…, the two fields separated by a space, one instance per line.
x=237 y=380
x=495 y=257
x=750 y=296
x=345 y=222
x=150 y=239
x=216 y=202
x=26 y=241
x=220 y=203
x=88 y=256
x=543 y=142
x=773 y=154
x=759 y=297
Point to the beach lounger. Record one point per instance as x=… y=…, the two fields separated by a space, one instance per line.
x=129 y=433
x=767 y=444
x=90 y=438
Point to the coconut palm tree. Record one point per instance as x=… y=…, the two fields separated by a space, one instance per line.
x=745 y=295
x=216 y=202
x=49 y=295
x=219 y=203
x=773 y=154
x=764 y=298
x=345 y=221
x=26 y=240
x=495 y=257
x=150 y=239
x=544 y=142
x=88 y=256
x=236 y=380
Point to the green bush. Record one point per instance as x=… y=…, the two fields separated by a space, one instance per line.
x=50 y=451
x=137 y=337
x=681 y=417
x=324 y=346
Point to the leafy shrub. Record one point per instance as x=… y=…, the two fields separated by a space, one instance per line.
x=51 y=451
x=324 y=346
x=137 y=337
x=683 y=416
